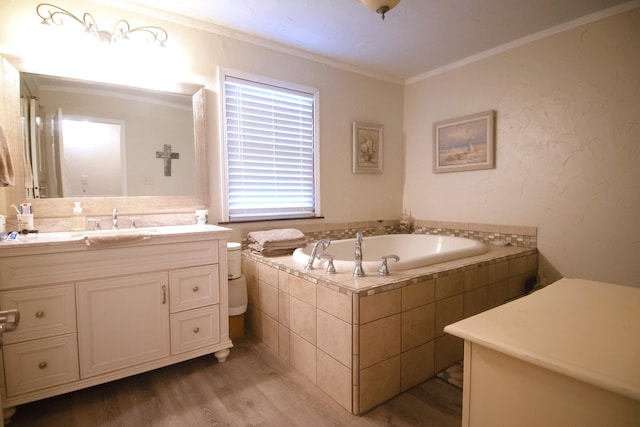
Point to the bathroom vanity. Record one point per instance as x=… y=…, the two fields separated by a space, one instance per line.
x=122 y=305
x=565 y=355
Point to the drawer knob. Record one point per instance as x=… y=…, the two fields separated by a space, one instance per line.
x=42 y=365
x=39 y=314
x=196 y=330
x=196 y=289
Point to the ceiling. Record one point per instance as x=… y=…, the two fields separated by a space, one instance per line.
x=416 y=38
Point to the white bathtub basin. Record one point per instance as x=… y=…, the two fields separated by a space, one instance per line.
x=414 y=250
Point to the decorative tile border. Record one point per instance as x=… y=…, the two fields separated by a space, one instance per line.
x=520 y=236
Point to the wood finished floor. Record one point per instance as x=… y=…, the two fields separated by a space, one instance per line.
x=254 y=387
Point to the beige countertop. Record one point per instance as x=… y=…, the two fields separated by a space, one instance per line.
x=124 y=235
x=583 y=329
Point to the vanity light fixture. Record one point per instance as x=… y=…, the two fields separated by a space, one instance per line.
x=121 y=30
x=380 y=6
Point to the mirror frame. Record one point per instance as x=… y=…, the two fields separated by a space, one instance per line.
x=136 y=205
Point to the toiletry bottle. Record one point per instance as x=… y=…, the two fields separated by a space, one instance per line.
x=77 y=219
x=404 y=220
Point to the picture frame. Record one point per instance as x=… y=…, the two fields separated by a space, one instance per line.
x=368 y=147
x=465 y=143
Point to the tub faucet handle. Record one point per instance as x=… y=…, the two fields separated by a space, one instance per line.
x=330 y=267
x=114 y=219
x=384 y=269
x=133 y=220
x=96 y=223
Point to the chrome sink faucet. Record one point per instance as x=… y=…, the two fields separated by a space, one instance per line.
x=114 y=219
x=358 y=271
x=314 y=252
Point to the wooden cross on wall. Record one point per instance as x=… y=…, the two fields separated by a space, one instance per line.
x=167 y=156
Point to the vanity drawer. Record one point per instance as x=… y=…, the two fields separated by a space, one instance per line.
x=39 y=364
x=44 y=312
x=193 y=287
x=194 y=329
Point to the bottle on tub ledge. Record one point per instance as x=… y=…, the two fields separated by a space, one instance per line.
x=77 y=219
x=406 y=222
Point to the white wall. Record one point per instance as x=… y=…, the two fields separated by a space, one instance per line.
x=345 y=96
x=568 y=147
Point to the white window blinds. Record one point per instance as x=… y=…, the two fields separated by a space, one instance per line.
x=270 y=149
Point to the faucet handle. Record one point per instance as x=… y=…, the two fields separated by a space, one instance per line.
x=96 y=223
x=133 y=220
x=330 y=267
x=384 y=270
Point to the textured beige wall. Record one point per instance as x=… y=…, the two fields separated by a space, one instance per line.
x=568 y=147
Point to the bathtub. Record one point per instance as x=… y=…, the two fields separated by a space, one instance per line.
x=414 y=250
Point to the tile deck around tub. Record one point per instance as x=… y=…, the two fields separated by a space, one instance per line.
x=364 y=340
x=374 y=283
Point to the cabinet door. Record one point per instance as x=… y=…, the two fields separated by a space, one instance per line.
x=122 y=322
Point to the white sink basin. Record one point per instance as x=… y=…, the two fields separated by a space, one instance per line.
x=122 y=231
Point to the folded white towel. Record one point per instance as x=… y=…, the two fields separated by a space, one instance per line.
x=278 y=239
x=270 y=252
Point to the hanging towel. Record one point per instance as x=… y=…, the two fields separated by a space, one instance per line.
x=7 y=175
x=115 y=239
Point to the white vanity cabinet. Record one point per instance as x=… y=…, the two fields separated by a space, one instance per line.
x=93 y=314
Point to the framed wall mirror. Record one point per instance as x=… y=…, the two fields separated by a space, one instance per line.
x=145 y=150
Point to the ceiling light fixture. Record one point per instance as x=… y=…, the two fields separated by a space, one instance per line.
x=380 y=6
x=121 y=30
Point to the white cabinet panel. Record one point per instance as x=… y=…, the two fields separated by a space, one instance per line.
x=41 y=363
x=43 y=312
x=122 y=321
x=193 y=287
x=194 y=329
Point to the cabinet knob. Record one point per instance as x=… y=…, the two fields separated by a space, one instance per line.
x=196 y=289
x=42 y=365
x=39 y=314
x=196 y=330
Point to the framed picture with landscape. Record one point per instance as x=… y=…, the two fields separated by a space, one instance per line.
x=465 y=143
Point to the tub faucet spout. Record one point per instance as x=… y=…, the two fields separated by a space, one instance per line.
x=358 y=271
x=314 y=252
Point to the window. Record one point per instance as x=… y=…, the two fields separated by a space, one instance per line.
x=270 y=141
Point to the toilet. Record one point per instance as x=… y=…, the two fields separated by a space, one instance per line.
x=237 y=290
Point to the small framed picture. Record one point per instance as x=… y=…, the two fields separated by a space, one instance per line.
x=368 y=140
x=465 y=143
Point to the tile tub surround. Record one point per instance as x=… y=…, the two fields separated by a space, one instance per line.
x=365 y=340
x=521 y=236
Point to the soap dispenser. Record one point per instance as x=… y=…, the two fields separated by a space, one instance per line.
x=77 y=219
